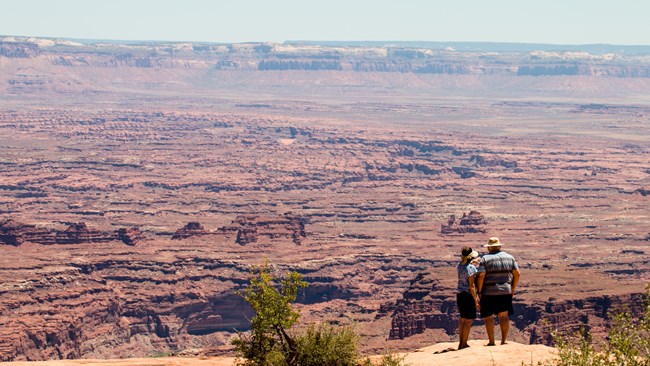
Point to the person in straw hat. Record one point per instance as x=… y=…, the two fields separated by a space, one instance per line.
x=496 y=285
x=466 y=296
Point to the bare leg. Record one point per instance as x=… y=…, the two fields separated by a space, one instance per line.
x=504 y=323
x=489 y=327
x=466 y=328
x=463 y=332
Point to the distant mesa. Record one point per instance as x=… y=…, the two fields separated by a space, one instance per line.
x=473 y=222
x=11 y=232
x=78 y=233
x=16 y=233
x=130 y=236
x=191 y=229
x=550 y=70
x=434 y=58
x=250 y=228
x=18 y=49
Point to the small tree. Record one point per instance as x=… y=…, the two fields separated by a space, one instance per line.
x=269 y=342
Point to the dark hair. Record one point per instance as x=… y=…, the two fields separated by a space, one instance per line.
x=466 y=251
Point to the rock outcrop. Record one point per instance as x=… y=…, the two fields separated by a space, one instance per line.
x=472 y=222
x=251 y=227
x=423 y=305
x=78 y=233
x=130 y=236
x=14 y=233
x=643 y=191
x=18 y=49
x=310 y=65
x=189 y=230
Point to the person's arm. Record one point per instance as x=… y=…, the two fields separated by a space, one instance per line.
x=479 y=282
x=515 y=280
x=472 y=289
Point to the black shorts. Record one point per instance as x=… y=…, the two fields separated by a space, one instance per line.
x=466 y=305
x=493 y=305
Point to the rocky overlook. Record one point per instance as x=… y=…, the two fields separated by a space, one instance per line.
x=140 y=183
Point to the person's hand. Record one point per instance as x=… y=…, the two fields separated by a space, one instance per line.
x=478 y=306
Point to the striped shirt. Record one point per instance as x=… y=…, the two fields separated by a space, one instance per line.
x=498 y=273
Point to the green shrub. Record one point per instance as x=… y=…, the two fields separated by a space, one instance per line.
x=271 y=341
x=577 y=350
x=325 y=345
x=628 y=343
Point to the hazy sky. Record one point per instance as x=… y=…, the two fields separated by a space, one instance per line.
x=532 y=21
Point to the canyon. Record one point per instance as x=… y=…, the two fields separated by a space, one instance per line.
x=140 y=182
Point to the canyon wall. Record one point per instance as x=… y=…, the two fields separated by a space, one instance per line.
x=427 y=305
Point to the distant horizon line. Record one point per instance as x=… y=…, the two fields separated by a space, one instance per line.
x=331 y=41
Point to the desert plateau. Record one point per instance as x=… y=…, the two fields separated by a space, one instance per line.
x=141 y=181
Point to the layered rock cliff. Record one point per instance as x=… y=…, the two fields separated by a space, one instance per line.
x=267 y=57
x=15 y=233
x=428 y=305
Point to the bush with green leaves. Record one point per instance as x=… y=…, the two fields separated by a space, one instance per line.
x=271 y=342
x=628 y=343
x=326 y=345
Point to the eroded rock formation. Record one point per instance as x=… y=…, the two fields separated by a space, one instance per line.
x=18 y=49
x=472 y=222
x=130 y=236
x=251 y=227
x=14 y=233
x=189 y=230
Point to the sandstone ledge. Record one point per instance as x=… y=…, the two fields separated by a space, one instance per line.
x=476 y=355
x=480 y=355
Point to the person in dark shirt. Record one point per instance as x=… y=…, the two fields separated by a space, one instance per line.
x=496 y=284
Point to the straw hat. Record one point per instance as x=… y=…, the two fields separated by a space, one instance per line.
x=493 y=242
x=468 y=254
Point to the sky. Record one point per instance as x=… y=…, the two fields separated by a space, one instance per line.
x=623 y=22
